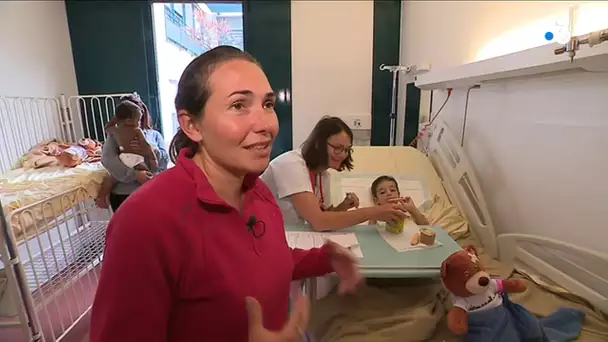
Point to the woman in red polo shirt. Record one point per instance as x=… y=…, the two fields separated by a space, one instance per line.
x=188 y=247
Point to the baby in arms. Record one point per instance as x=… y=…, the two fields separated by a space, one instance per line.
x=134 y=151
x=385 y=189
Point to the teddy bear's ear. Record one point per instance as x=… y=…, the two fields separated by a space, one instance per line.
x=471 y=249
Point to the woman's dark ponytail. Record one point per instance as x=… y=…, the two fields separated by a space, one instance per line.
x=179 y=142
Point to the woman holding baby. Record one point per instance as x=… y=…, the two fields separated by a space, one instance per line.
x=127 y=179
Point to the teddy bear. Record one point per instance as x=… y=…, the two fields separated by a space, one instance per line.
x=472 y=287
x=483 y=311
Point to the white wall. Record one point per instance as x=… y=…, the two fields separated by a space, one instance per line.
x=332 y=43
x=453 y=33
x=35 y=50
x=537 y=145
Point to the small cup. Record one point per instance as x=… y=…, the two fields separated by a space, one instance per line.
x=427 y=236
x=397 y=228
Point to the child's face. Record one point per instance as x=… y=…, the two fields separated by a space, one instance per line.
x=385 y=191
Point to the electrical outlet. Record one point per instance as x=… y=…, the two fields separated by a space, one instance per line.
x=357 y=123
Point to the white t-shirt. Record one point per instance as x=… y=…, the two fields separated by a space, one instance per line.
x=287 y=175
x=490 y=299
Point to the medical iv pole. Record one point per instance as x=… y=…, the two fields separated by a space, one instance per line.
x=395 y=69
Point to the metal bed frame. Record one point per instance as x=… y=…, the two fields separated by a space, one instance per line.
x=579 y=270
x=52 y=273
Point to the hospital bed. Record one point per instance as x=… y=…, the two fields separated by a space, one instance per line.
x=51 y=233
x=557 y=274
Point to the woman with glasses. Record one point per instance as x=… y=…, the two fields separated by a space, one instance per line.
x=298 y=178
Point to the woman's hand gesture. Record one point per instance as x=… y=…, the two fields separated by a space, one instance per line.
x=293 y=331
x=346 y=267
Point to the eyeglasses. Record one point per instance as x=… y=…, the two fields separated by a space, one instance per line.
x=340 y=149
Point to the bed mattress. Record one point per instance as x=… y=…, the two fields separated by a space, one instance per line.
x=407 y=310
x=20 y=188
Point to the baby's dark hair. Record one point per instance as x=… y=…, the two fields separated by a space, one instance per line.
x=146 y=119
x=381 y=179
x=127 y=110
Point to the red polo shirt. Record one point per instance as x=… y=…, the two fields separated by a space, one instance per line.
x=179 y=263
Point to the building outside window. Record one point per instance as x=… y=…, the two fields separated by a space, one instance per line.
x=183 y=31
x=197 y=28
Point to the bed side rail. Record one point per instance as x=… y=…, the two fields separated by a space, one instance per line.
x=579 y=270
x=461 y=184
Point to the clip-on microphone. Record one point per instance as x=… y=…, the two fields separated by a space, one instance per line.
x=252 y=222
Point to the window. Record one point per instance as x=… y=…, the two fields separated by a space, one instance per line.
x=188 y=30
x=178 y=8
x=175 y=13
x=189 y=15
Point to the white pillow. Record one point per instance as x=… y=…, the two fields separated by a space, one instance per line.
x=360 y=184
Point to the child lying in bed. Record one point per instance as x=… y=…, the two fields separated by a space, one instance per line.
x=385 y=189
x=135 y=152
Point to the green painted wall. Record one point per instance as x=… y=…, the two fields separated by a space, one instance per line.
x=267 y=34
x=387 y=38
x=412 y=113
x=386 y=49
x=113 y=49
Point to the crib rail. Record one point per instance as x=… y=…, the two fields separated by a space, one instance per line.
x=92 y=112
x=53 y=274
x=28 y=121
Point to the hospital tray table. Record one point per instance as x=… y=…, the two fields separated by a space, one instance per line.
x=380 y=260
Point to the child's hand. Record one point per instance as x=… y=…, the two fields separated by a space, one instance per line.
x=409 y=205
